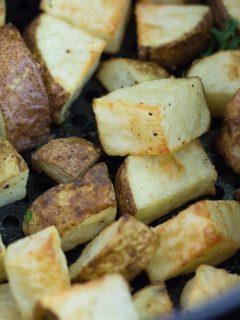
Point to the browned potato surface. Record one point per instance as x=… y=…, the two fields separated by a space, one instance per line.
x=66 y=159
x=223 y=10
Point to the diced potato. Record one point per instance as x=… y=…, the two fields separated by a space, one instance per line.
x=8 y=307
x=206 y=232
x=2 y=12
x=152 y=118
x=3 y=276
x=117 y=73
x=13 y=174
x=125 y=247
x=105 y=298
x=223 y=10
x=228 y=142
x=66 y=159
x=36 y=266
x=208 y=283
x=151 y=186
x=79 y=210
x=104 y=19
x=152 y=302
x=171 y=1
x=220 y=74
x=172 y=35
x=68 y=57
x=24 y=107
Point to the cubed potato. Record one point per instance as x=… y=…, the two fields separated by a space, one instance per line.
x=118 y=73
x=67 y=56
x=220 y=75
x=228 y=141
x=66 y=159
x=153 y=302
x=3 y=276
x=24 y=107
x=208 y=284
x=104 y=19
x=13 y=174
x=8 y=306
x=36 y=266
x=125 y=247
x=150 y=186
x=79 y=210
x=206 y=232
x=2 y=12
x=152 y=118
x=105 y=298
x=172 y=35
x=171 y=1
x=224 y=10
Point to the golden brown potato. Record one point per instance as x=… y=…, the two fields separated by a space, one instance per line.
x=68 y=57
x=3 y=276
x=228 y=142
x=206 y=232
x=66 y=159
x=172 y=35
x=8 y=306
x=2 y=12
x=105 y=298
x=24 y=108
x=208 y=284
x=36 y=266
x=79 y=210
x=223 y=10
x=125 y=247
x=13 y=174
x=153 y=302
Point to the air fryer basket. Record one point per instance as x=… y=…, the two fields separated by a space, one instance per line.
x=81 y=123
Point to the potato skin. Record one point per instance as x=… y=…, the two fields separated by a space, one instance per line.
x=219 y=12
x=178 y=53
x=24 y=102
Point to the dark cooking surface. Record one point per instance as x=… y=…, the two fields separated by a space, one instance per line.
x=81 y=123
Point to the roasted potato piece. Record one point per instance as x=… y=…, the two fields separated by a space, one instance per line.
x=152 y=302
x=105 y=298
x=104 y=19
x=208 y=283
x=35 y=267
x=67 y=61
x=13 y=174
x=2 y=266
x=2 y=12
x=220 y=74
x=125 y=247
x=237 y=194
x=171 y=1
x=152 y=118
x=8 y=307
x=172 y=35
x=223 y=10
x=117 y=73
x=228 y=142
x=79 y=210
x=206 y=232
x=66 y=159
x=151 y=186
x=24 y=108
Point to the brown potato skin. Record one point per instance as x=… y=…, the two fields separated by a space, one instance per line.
x=23 y=99
x=181 y=52
x=73 y=156
x=237 y=194
x=92 y=194
x=219 y=12
x=228 y=142
x=56 y=93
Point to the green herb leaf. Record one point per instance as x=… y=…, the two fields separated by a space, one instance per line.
x=28 y=216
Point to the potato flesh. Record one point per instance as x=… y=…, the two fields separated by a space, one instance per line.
x=8 y=307
x=3 y=276
x=2 y=12
x=233 y=8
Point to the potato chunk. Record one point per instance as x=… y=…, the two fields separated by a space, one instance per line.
x=117 y=73
x=79 y=210
x=206 y=232
x=8 y=306
x=172 y=35
x=125 y=247
x=104 y=19
x=35 y=267
x=66 y=159
x=2 y=12
x=208 y=284
x=24 y=106
x=151 y=186
x=220 y=75
x=68 y=57
x=153 y=302
x=105 y=298
x=13 y=174
x=152 y=118
x=3 y=276
x=223 y=10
